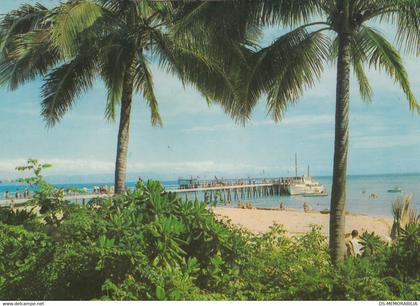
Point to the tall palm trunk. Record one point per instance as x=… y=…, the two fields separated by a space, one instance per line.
x=124 y=133
x=338 y=194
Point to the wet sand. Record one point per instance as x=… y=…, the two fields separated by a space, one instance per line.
x=298 y=222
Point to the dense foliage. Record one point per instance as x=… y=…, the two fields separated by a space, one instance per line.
x=151 y=245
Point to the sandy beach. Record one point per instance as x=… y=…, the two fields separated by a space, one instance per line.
x=298 y=222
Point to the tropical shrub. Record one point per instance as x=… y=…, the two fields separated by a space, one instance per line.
x=405 y=254
x=152 y=245
x=47 y=200
x=404 y=214
x=15 y=217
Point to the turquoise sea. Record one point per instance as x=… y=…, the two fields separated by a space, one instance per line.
x=359 y=187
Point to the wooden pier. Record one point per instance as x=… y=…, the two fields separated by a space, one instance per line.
x=213 y=191
x=226 y=191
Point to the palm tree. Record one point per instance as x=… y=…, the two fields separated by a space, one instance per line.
x=295 y=61
x=73 y=43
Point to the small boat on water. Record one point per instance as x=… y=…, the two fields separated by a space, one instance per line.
x=395 y=190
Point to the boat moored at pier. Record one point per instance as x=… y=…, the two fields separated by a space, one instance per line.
x=306 y=185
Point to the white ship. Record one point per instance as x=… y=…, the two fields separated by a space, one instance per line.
x=305 y=185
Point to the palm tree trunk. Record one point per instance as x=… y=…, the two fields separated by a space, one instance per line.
x=338 y=193
x=124 y=133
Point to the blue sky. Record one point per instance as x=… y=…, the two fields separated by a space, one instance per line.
x=198 y=140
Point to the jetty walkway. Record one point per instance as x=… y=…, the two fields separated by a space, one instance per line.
x=210 y=190
x=233 y=190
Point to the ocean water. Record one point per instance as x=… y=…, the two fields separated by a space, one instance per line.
x=358 y=201
x=358 y=190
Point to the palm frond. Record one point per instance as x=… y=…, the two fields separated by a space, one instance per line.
x=143 y=82
x=364 y=85
x=25 y=51
x=405 y=14
x=113 y=64
x=32 y=56
x=190 y=15
x=291 y=13
x=290 y=65
x=70 y=20
x=382 y=55
x=224 y=22
x=195 y=67
x=64 y=84
x=121 y=7
x=25 y=19
x=358 y=52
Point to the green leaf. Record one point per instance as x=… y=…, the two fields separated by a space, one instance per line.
x=160 y=293
x=72 y=19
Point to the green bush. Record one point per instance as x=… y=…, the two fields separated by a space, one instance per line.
x=151 y=245
x=25 y=255
x=148 y=244
x=15 y=217
x=405 y=255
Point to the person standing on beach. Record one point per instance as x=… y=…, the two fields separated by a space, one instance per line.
x=355 y=243
x=306 y=207
x=282 y=206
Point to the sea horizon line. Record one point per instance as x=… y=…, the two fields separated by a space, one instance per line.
x=106 y=178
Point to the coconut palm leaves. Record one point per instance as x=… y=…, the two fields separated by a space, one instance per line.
x=355 y=45
x=143 y=82
x=368 y=48
x=321 y=31
x=25 y=47
x=64 y=84
x=384 y=55
x=77 y=41
x=212 y=45
x=291 y=64
x=70 y=20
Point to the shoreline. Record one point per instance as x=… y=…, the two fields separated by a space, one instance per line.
x=296 y=221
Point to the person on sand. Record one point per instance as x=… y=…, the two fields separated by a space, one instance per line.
x=349 y=246
x=12 y=205
x=355 y=243
x=282 y=206
x=306 y=207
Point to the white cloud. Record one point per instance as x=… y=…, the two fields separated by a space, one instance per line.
x=82 y=166
x=9 y=165
x=61 y=165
